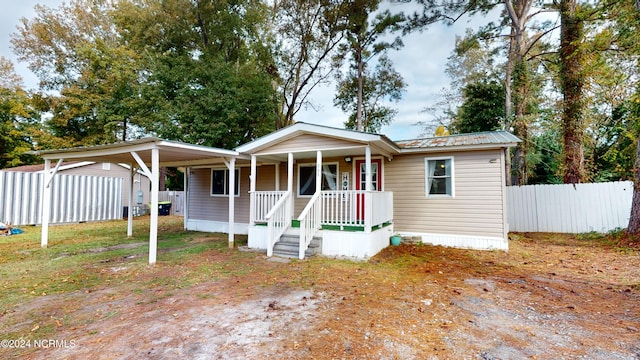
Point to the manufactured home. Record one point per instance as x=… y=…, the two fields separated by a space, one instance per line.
x=310 y=188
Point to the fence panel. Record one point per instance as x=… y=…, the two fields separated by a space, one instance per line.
x=568 y=208
x=74 y=198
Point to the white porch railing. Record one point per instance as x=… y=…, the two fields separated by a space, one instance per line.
x=265 y=201
x=357 y=208
x=310 y=222
x=341 y=208
x=278 y=220
x=380 y=208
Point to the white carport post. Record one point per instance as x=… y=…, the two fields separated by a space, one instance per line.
x=130 y=204
x=153 y=229
x=154 y=178
x=232 y=195
x=46 y=199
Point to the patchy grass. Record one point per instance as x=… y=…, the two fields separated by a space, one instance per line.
x=93 y=285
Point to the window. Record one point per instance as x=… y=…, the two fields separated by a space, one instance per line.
x=439 y=176
x=220 y=181
x=307 y=178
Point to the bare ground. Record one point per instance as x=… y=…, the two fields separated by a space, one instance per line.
x=544 y=299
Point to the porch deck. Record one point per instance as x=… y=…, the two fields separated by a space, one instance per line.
x=333 y=212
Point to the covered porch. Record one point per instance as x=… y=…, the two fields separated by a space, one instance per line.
x=333 y=193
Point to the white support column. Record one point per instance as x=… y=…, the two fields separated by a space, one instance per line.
x=252 y=192
x=277 y=165
x=132 y=174
x=185 y=200
x=318 y=171
x=290 y=183
x=367 y=196
x=232 y=197
x=153 y=229
x=46 y=199
x=367 y=157
x=46 y=204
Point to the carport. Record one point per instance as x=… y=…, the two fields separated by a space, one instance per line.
x=148 y=155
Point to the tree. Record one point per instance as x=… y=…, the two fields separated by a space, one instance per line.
x=17 y=117
x=363 y=43
x=482 y=109
x=207 y=72
x=89 y=74
x=307 y=34
x=384 y=83
x=572 y=85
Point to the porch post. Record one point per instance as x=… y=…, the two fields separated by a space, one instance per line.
x=252 y=192
x=46 y=204
x=367 y=194
x=290 y=182
x=232 y=197
x=318 y=171
x=153 y=229
x=277 y=165
x=132 y=172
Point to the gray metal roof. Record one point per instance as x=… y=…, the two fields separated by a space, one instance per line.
x=488 y=138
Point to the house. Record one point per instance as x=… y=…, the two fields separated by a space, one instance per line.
x=92 y=168
x=344 y=193
x=316 y=189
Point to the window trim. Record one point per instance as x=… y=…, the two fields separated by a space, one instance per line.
x=226 y=184
x=336 y=163
x=452 y=176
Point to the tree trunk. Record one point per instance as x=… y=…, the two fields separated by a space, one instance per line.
x=518 y=71
x=508 y=105
x=571 y=82
x=634 y=219
x=359 y=126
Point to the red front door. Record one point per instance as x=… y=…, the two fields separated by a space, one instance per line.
x=361 y=181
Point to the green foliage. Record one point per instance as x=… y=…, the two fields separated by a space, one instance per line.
x=383 y=84
x=545 y=158
x=482 y=108
x=366 y=40
x=17 y=119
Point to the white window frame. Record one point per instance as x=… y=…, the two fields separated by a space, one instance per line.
x=452 y=193
x=337 y=164
x=226 y=182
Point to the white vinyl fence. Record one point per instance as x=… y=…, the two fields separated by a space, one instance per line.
x=74 y=198
x=567 y=208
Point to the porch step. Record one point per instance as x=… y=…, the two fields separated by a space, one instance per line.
x=289 y=246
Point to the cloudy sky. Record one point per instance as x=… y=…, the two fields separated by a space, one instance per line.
x=421 y=62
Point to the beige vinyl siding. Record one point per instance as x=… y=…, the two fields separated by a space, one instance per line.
x=204 y=206
x=307 y=142
x=476 y=208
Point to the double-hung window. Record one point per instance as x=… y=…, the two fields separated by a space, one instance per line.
x=439 y=177
x=220 y=182
x=307 y=178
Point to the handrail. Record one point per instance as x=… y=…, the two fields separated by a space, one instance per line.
x=310 y=222
x=278 y=219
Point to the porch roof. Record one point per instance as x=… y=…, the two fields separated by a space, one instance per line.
x=345 y=142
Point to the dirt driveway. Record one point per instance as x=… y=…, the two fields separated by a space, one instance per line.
x=544 y=299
